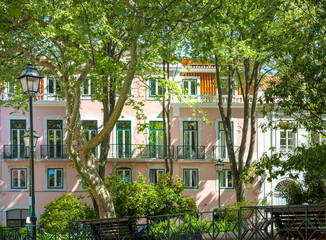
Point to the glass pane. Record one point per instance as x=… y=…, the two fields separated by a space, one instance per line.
x=14 y=178
x=230 y=182
x=18 y=124
x=51 y=86
x=22 y=178
x=185 y=85
x=194 y=178
x=123 y=125
x=193 y=87
x=152 y=87
x=54 y=124
x=58 y=144
x=283 y=134
x=51 y=144
x=194 y=139
x=152 y=175
x=186 y=178
x=156 y=125
x=223 y=179
x=283 y=142
x=51 y=177
x=160 y=90
x=59 y=178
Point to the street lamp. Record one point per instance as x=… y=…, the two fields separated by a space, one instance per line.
x=219 y=167
x=30 y=81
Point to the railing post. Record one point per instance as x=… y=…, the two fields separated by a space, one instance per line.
x=148 y=229
x=239 y=222
x=306 y=221
x=168 y=226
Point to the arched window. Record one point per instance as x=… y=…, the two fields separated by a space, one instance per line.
x=17 y=217
x=278 y=200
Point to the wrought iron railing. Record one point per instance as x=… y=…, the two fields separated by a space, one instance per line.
x=138 y=151
x=190 y=152
x=54 y=152
x=15 y=151
x=256 y=223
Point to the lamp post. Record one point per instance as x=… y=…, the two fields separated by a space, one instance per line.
x=219 y=167
x=30 y=81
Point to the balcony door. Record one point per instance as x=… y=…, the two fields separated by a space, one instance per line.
x=190 y=139
x=124 y=139
x=156 y=139
x=54 y=138
x=18 y=128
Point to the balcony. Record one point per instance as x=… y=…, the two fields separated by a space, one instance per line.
x=54 y=152
x=214 y=98
x=190 y=152
x=15 y=151
x=129 y=151
x=39 y=97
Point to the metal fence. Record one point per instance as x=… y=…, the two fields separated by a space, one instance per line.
x=263 y=223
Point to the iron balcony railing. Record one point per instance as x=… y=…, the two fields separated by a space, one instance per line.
x=221 y=152
x=138 y=151
x=54 y=152
x=190 y=152
x=15 y=151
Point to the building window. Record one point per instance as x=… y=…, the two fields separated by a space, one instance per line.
x=18 y=128
x=88 y=87
x=18 y=178
x=190 y=140
x=226 y=179
x=154 y=175
x=287 y=140
x=53 y=86
x=190 y=178
x=156 y=139
x=90 y=128
x=155 y=88
x=222 y=146
x=124 y=174
x=190 y=86
x=17 y=217
x=124 y=139
x=55 y=178
x=55 y=148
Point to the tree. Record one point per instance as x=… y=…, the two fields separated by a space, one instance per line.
x=69 y=39
x=298 y=89
x=236 y=40
x=309 y=160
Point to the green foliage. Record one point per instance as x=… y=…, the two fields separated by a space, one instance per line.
x=309 y=160
x=59 y=212
x=141 y=198
x=230 y=212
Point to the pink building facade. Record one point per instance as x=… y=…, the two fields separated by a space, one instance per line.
x=196 y=145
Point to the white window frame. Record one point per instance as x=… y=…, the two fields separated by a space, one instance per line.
x=124 y=174
x=158 y=172
x=18 y=175
x=55 y=178
x=190 y=82
x=287 y=147
x=227 y=180
x=191 y=170
x=155 y=95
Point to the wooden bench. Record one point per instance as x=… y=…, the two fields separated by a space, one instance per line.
x=115 y=228
x=299 y=222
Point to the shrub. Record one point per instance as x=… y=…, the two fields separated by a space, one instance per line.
x=59 y=212
x=140 y=198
